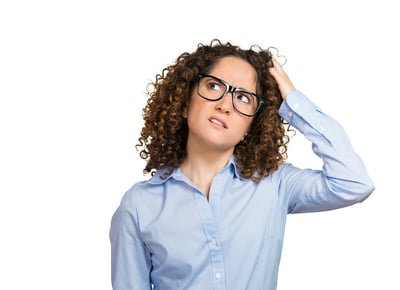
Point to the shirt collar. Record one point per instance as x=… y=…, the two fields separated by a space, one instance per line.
x=159 y=176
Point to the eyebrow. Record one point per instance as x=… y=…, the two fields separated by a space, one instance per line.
x=238 y=88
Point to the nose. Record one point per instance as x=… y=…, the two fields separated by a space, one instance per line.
x=225 y=105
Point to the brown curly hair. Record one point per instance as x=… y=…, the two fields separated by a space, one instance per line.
x=164 y=134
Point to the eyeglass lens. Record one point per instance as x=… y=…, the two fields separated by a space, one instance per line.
x=214 y=89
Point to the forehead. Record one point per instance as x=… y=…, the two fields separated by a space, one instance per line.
x=236 y=71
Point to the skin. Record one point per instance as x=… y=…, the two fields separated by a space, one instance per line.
x=282 y=79
x=215 y=127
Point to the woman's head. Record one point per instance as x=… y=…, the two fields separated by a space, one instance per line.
x=164 y=135
x=220 y=108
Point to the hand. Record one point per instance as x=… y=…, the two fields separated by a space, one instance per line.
x=282 y=79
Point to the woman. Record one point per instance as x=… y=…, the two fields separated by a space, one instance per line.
x=212 y=216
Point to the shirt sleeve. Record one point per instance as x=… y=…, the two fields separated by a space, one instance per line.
x=130 y=259
x=343 y=179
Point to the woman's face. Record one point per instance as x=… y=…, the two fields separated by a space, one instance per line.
x=216 y=125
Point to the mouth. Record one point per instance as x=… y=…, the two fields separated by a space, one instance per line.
x=218 y=122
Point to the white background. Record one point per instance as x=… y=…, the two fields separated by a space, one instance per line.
x=72 y=82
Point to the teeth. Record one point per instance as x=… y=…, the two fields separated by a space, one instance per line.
x=217 y=122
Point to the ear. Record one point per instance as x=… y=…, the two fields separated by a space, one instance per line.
x=185 y=113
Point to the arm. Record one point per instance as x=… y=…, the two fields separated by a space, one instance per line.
x=343 y=179
x=130 y=260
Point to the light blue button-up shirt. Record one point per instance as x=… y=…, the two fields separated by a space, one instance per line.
x=166 y=234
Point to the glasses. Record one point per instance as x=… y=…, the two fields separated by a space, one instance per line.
x=214 y=89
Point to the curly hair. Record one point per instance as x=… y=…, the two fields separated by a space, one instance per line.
x=164 y=134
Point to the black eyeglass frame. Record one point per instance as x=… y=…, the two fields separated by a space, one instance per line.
x=233 y=90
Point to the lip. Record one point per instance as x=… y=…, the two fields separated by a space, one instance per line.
x=218 y=122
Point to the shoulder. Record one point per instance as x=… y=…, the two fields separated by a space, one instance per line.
x=146 y=191
x=140 y=189
x=132 y=196
x=132 y=203
x=285 y=173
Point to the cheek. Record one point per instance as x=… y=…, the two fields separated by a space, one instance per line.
x=197 y=108
x=249 y=126
x=245 y=125
x=192 y=108
x=193 y=115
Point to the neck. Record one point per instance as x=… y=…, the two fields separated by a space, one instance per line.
x=201 y=166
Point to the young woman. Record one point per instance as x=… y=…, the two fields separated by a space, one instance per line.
x=213 y=213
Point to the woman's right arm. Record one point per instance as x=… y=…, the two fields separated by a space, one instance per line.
x=130 y=259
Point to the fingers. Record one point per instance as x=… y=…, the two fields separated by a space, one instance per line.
x=277 y=66
x=282 y=79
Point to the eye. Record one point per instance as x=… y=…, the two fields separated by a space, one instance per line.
x=244 y=98
x=214 y=86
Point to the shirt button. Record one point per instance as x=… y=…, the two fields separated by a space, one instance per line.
x=290 y=114
x=218 y=276
x=214 y=242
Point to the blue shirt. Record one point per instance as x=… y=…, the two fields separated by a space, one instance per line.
x=167 y=234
